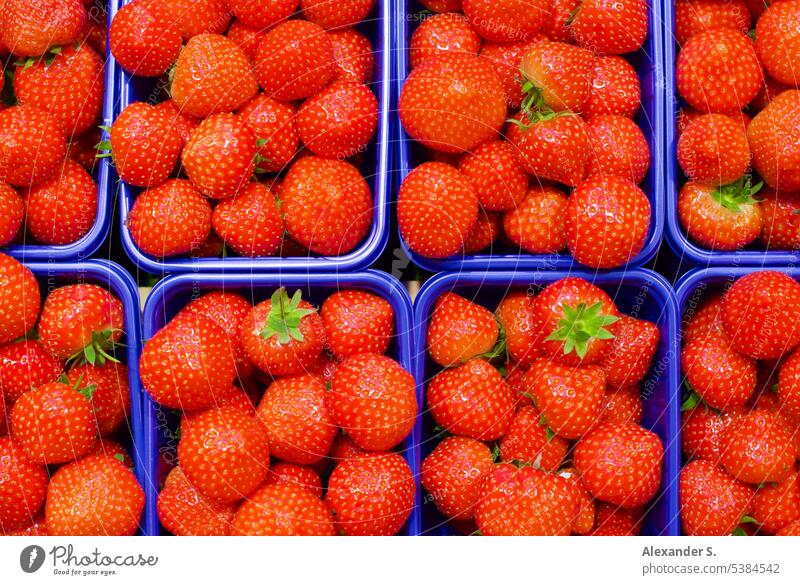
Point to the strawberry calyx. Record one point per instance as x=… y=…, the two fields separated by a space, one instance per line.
x=548 y=431
x=259 y=158
x=738 y=194
x=49 y=56
x=739 y=531
x=580 y=325
x=103 y=147
x=87 y=391
x=694 y=400
x=96 y=352
x=285 y=315
x=534 y=106
x=499 y=348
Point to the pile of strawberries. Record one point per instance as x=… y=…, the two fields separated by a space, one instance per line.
x=514 y=102
x=550 y=442
x=741 y=420
x=53 y=59
x=256 y=150
x=63 y=396
x=314 y=375
x=740 y=116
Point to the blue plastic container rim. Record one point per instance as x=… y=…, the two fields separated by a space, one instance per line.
x=654 y=283
x=363 y=256
x=93 y=239
x=654 y=187
x=168 y=290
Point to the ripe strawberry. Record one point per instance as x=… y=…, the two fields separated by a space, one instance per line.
x=460 y=330
x=30 y=27
x=619 y=148
x=506 y=60
x=713 y=150
x=184 y=511
x=558 y=76
x=583 y=522
x=250 y=222
x=144 y=38
x=506 y=21
x=608 y=219
x=259 y=14
x=19 y=299
x=620 y=463
x=515 y=378
x=635 y=343
x=326 y=15
x=171 y=219
x=529 y=441
x=781 y=222
x=95 y=495
x=757 y=447
x=538 y=225
x=294 y=61
x=111 y=399
x=23 y=487
x=183 y=124
x=212 y=75
x=327 y=205
x=776 y=506
x=760 y=312
x=188 y=364
x=357 y=322
x=483 y=234
x=769 y=90
x=353 y=54
x=339 y=121
x=526 y=502
x=722 y=377
x=609 y=26
x=246 y=38
x=705 y=320
x=495 y=175
x=614 y=521
x=442 y=5
x=515 y=314
x=472 y=400
x=442 y=33
x=25 y=365
x=453 y=103
x=371 y=494
x=718 y=71
x=282 y=473
x=696 y=16
x=110 y=448
x=622 y=405
x=556 y=26
x=615 y=88
x=775 y=124
x=343 y=448
x=283 y=336
x=776 y=41
x=569 y=398
x=12 y=212
x=283 y=510
x=374 y=400
x=234 y=397
x=194 y=17
x=83 y=149
x=789 y=387
x=792 y=529
x=712 y=502
x=32 y=146
x=701 y=428
x=275 y=127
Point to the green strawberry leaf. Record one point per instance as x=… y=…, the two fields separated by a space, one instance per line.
x=284 y=318
x=580 y=325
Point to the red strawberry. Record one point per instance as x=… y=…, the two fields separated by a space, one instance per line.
x=792 y=529
x=83 y=149
x=194 y=17
x=250 y=222
x=246 y=38
x=769 y=90
x=776 y=506
x=442 y=5
x=615 y=521
x=610 y=26
x=775 y=124
x=757 y=447
x=32 y=146
x=583 y=522
x=460 y=330
x=526 y=502
x=608 y=219
x=493 y=171
x=635 y=343
x=515 y=378
x=259 y=14
x=696 y=16
x=30 y=27
x=615 y=88
x=171 y=219
x=95 y=495
x=12 y=212
x=294 y=61
x=339 y=121
x=516 y=315
x=234 y=397
x=701 y=428
x=484 y=233
x=539 y=224
x=23 y=486
x=144 y=38
x=183 y=124
x=506 y=60
x=556 y=26
x=559 y=74
x=357 y=322
x=622 y=405
x=212 y=75
x=619 y=147
x=25 y=365
x=620 y=463
x=781 y=222
x=789 y=387
x=290 y=473
x=371 y=494
x=110 y=448
x=343 y=448
x=712 y=502
x=453 y=474
x=505 y=21
x=776 y=41
x=705 y=320
x=722 y=377
x=442 y=33
x=184 y=511
x=472 y=400
x=529 y=441
x=274 y=125
x=713 y=150
x=353 y=54
x=327 y=205
x=283 y=510
x=19 y=299
x=111 y=399
x=327 y=15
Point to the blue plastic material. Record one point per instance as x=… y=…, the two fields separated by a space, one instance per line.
x=637 y=292
x=648 y=62
x=52 y=275
x=174 y=292
x=376 y=170
x=103 y=176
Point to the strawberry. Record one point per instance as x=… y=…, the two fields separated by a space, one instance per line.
x=713 y=150
x=353 y=54
x=701 y=428
x=453 y=474
x=327 y=205
x=144 y=38
x=110 y=448
x=246 y=38
x=294 y=61
x=757 y=447
x=776 y=506
x=299 y=424
x=81 y=320
x=614 y=521
x=608 y=219
x=442 y=5
x=539 y=224
x=357 y=322
x=460 y=330
x=712 y=502
x=515 y=378
x=615 y=88
x=234 y=397
x=484 y=233
x=515 y=314
x=19 y=299
x=183 y=124
x=472 y=400
x=529 y=441
x=374 y=400
x=442 y=33
x=30 y=27
x=769 y=90
x=326 y=15
x=778 y=167
x=777 y=41
x=212 y=75
x=436 y=210
x=720 y=218
x=718 y=71
x=506 y=21
x=195 y=17
x=282 y=473
x=344 y=448
x=23 y=487
x=619 y=147
x=275 y=127
x=54 y=423
x=526 y=502
x=792 y=529
x=453 y=103
x=61 y=210
x=721 y=377
x=188 y=364
x=12 y=212
x=83 y=149
x=558 y=76
x=95 y=495
x=622 y=405
x=495 y=175
x=635 y=343
x=570 y=399
x=283 y=510
x=184 y=511
x=759 y=314
x=371 y=494
x=789 y=387
x=556 y=26
x=506 y=60
x=696 y=16
x=169 y=220
x=25 y=365
x=339 y=121
x=781 y=222
x=609 y=26
x=250 y=222
x=32 y=146
x=283 y=336
x=111 y=400
x=37 y=527
x=620 y=463
x=261 y=14
x=583 y=522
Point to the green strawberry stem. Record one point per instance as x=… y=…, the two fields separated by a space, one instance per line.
x=739 y=531
x=96 y=352
x=499 y=348
x=737 y=194
x=548 y=431
x=580 y=325
x=87 y=391
x=283 y=320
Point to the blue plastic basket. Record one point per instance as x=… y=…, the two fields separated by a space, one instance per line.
x=637 y=292
x=648 y=62
x=376 y=169
x=174 y=292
